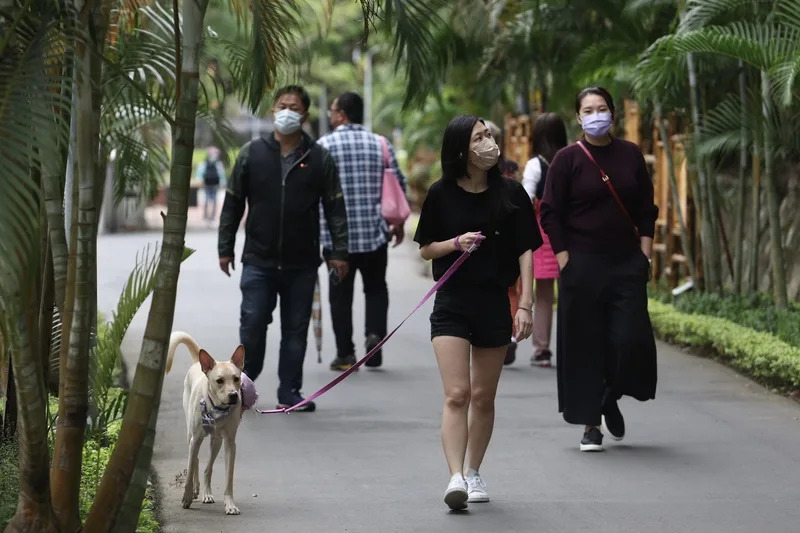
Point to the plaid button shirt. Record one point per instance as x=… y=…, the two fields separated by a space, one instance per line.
x=359 y=160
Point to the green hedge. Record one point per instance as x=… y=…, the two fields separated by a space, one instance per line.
x=755 y=311
x=756 y=353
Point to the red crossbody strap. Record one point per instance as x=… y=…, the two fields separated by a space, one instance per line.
x=611 y=188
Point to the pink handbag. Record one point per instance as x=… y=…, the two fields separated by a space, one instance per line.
x=394 y=204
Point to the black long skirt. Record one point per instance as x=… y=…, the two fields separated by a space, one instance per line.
x=605 y=342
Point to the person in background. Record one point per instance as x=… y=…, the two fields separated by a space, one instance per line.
x=282 y=179
x=549 y=136
x=212 y=172
x=509 y=169
x=360 y=160
x=599 y=214
x=474 y=205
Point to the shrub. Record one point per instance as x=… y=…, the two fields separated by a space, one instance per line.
x=761 y=355
x=754 y=311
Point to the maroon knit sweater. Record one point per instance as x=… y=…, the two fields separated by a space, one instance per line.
x=578 y=211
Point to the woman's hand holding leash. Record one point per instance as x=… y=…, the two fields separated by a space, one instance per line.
x=468 y=242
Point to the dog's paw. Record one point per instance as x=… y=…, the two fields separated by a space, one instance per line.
x=230 y=507
x=196 y=492
x=208 y=498
x=187 y=500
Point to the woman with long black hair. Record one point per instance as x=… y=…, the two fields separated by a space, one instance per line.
x=473 y=205
x=599 y=214
x=549 y=136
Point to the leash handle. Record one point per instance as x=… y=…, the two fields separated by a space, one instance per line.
x=341 y=377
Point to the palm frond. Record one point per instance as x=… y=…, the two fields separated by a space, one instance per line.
x=701 y=13
x=271 y=37
x=661 y=70
x=137 y=289
x=763 y=46
x=788 y=12
x=415 y=25
x=785 y=77
x=33 y=104
x=140 y=162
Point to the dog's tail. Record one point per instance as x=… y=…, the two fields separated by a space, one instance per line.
x=179 y=337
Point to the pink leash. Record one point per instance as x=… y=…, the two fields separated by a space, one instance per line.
x=341 y=377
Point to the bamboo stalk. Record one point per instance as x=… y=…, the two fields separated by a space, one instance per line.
x=673 y=185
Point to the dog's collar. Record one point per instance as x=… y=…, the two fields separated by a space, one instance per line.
x=209 y=417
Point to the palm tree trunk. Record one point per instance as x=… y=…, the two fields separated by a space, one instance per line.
x=773 y=204
x=755 y=223
x=673 y=185
x=73 y=404
x=738 y=286
x=34 y=512
x=54 y=200
x=74 y=379
x=711 y=259
x=132 y=504
x=148 y=380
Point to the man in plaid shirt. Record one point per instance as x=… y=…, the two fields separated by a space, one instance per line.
x=359 y=159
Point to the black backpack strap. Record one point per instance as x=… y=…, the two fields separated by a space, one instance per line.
x=539 y=192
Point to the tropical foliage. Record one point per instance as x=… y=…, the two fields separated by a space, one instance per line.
x=83 y=84
x=96 y=84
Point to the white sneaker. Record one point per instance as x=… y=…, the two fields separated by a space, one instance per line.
x=476 y=489
x=456 y=494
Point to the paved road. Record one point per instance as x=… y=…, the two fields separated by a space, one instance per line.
x=713 y=453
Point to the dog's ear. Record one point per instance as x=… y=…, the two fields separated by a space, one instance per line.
x=206 y=361
x=238 y=357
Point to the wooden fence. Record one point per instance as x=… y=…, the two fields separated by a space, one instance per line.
x=669 y=259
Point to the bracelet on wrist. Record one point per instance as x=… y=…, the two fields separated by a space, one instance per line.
x=457 y=244
x=525 y=309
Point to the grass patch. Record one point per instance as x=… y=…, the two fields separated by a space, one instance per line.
x=759 y=354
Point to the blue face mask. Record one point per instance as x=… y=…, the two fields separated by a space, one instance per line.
x=596 y=124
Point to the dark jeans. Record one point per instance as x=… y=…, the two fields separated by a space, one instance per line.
x=372 y=266
x=210 y=206
x=261 y=288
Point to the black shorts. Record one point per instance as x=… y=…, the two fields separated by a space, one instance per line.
x=482 y=315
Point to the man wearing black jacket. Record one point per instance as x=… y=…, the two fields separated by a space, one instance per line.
x=282 y=178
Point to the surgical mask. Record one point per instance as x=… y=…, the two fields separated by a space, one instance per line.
x=596 y=124
x=287 y=121
x=484 y=154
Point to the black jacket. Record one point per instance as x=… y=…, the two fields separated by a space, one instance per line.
x=282 y=228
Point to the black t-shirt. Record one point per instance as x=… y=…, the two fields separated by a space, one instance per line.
x=449 y=210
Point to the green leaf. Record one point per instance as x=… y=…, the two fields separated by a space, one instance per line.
x=139 y=286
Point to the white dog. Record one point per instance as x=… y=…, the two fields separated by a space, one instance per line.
x=213 y=406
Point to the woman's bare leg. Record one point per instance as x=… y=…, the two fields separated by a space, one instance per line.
x=487 y=364
x=452 y=354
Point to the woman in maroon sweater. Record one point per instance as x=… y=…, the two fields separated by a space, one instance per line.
x=599 y=214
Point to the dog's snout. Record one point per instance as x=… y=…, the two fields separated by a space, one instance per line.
x=233 y=397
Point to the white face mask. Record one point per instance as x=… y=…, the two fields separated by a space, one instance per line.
x=287 y=121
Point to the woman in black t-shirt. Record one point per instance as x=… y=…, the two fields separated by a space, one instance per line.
x=474 y=205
